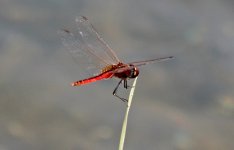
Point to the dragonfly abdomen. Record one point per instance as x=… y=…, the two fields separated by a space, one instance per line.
x=101 y=76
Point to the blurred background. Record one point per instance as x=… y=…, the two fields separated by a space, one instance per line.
x=183 y=104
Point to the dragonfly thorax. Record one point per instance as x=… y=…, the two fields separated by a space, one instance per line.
x=128 y=71
x=112 y=67
x=108 y=68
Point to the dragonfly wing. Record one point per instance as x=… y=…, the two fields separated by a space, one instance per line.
x=80 y=52
x=94 y=41
x=87 y=48
x=140 y=63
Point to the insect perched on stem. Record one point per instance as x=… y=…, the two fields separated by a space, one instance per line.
x=89 y=49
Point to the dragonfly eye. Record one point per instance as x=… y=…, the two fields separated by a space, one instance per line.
x=134 y=72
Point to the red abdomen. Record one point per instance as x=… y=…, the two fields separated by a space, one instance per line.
x=101 y=76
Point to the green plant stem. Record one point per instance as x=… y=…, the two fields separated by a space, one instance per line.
x=125 y=122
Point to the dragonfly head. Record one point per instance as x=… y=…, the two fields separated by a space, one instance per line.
x=134 y=71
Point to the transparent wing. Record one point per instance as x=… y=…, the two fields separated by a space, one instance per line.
x=95 y=41
x=140 y=63
x=87 y=48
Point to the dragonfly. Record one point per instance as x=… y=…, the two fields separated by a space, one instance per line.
x=89 y=49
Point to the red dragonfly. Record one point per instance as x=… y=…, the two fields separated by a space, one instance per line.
x=89 y=49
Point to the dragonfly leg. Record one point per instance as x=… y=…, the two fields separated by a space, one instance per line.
x=115 y=91
x=125 y=84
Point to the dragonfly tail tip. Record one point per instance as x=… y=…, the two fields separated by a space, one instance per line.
x=73 y=84
x=77 y=83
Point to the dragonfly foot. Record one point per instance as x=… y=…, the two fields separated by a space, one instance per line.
x=121 y=98
x=130 y=86
x=124 y=100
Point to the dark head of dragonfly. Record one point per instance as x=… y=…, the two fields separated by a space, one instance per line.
x=131 y=72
